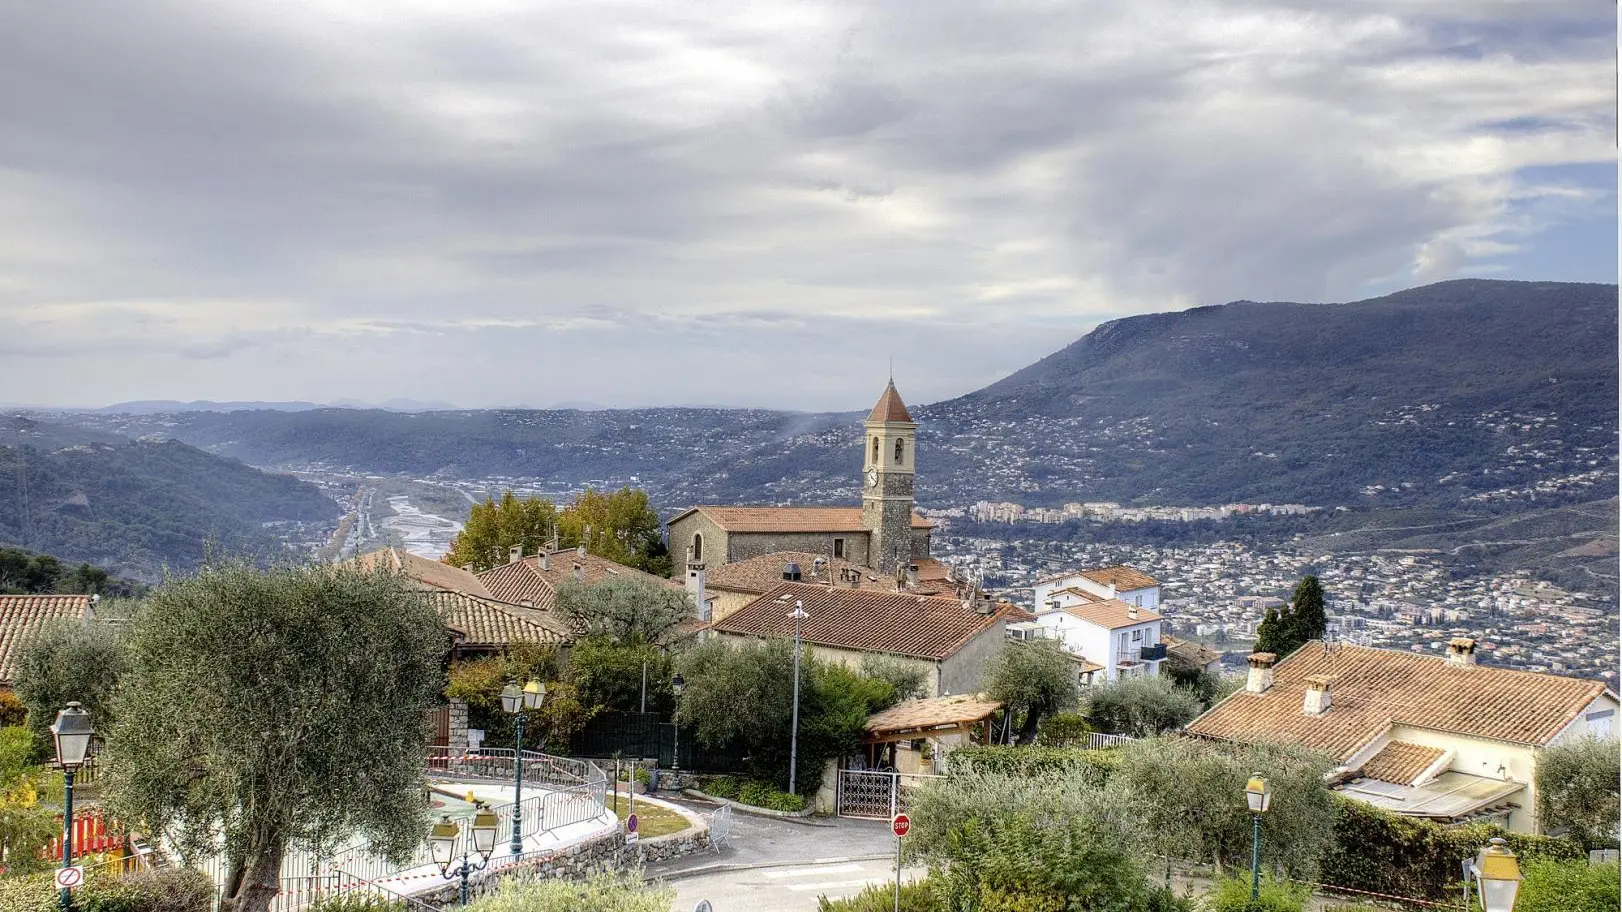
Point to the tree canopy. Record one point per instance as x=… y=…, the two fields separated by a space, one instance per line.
x=623 y=609
x=616 y=525
x=268 y=709
x=1036 y=678
x=1283 y=632
x=66 y=662
x=495 y=526
x=1578 y=789
x=1141 y=707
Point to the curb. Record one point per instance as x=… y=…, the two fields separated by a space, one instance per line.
x=724 y=867
x=742 y=808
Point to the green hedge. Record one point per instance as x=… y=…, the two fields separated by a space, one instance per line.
x=1094 y=766
x=1387 y=853
x=1552 y=886
x=172 y=890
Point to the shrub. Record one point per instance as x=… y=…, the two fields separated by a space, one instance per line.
x=762 y=795
x=723 y=787
x=1063 y=730
x=1578 y=790
x=916 y=896
x=29 y=893
x=1232 y=894
x=1094 y=766
x=356 y=902
x=1381 y=852
x=1569 y=886
x=783 y=801
x=1141 y=707
x=168 y=890
x=754 y=793
x=12 y=710
x=605 y=893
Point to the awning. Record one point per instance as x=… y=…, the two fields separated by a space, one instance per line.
x=1450 y=796
x=926 y=718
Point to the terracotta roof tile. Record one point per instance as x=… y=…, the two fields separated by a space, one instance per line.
x=1377 y=688
x=1400 y=762
x=1123 y=578
x=759 y=574
x=1190 y=651
x=792 y=519
x=1111 y=613
x=869 y=621
x=525 y=581
x=22 y=616
x=890 y=407
x=421 y=570
x=488 y=623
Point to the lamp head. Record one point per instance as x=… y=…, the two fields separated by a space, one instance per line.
x=442 y=842
x=1498 y=877
x=534 y=693
x=676 y=684
x=72 y=732
x=484 y=831
x=1258 y=794
x=511 y=698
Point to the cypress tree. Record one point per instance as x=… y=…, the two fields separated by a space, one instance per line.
x=1308 y=621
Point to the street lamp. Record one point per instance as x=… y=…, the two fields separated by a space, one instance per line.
x=1259 y=797
x=798 y=614
x=72 y=732
x=1497 y=875
x=515 y=701
x=676 y=684
x=442 y=846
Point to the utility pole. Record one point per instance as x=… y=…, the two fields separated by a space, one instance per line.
x=794 y=733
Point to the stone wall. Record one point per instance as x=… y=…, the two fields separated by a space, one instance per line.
x=458 y=735
x=600 y=855
x=744 y=545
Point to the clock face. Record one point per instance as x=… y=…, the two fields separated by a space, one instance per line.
x=872 y=478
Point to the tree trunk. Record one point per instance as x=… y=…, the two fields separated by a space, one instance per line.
x=1027 y=734
x=259 y=883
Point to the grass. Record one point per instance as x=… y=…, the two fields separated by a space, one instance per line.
x=651 y=819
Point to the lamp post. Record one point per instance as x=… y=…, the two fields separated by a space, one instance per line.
x=798 y=614
x=1259 y=796
x=442 y=845
x=72 y=732
x=515 y=701
x=1497 y=876
x=676 y=684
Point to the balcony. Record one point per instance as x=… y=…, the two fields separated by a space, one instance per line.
x=1155 y=653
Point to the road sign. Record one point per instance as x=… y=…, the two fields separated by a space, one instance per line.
x=70 y=877
x=900 y=824
x=630 y=823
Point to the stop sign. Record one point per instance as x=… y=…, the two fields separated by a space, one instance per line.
x=900 y=824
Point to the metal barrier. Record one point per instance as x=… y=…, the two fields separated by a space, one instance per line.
x=1096 y=740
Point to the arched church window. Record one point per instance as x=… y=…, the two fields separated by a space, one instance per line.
x=875 y=449
x=899 y=443
x=698 y=546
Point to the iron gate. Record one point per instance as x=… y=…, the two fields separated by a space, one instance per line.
x=876 y=795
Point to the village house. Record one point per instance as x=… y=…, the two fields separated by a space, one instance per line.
x=737 y=584
x=1424 y=736
x=947 y=638
x=1110 y=636
x=23 y=616
x=1118 y=582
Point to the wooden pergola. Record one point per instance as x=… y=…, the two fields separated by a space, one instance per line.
x=929 y=718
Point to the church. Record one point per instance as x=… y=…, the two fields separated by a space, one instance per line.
x=883 y=533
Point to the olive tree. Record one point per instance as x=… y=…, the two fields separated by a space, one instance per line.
x=1578 y=789
x=65 y=662
x=1036 y=678
x=623 y=610
x=1141 y=707
x=268 y=710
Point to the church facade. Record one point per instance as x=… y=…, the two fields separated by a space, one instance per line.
x=883 y=533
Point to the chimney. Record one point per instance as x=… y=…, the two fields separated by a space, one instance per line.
x=1111 y=590
x=853 y=577
x=1260 y=679
x=695 y=585
x=579 y=572
x=791 y=572
x=527 y=603
x=1461 y=651
x=1316 y=701
x=912 y=576
x=1132 y=612
x=515 y=554
x=546 y=560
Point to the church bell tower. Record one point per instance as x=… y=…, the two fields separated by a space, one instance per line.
x=888 y=466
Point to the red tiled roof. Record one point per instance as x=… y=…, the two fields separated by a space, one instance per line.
x=1111 y=613
x=758 y=574
x=931 y=712
x=1400 y=762
x=1123 y=578
x=524 y=580
x=22 y=616
x=422 y=571
x=890 y=407
x=484 y=622
x=1376 y=688
x=791 y=519
x=924 y=627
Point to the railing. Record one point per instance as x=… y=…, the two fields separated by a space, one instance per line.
x=1154 y=653
x=1096 y=740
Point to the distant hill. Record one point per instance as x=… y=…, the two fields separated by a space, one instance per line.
x=134 y=508
x=1474 y=395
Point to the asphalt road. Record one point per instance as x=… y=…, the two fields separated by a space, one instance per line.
x=777 y=865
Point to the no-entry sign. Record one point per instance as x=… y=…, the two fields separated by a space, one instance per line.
x=70 y=877
x=900 y=824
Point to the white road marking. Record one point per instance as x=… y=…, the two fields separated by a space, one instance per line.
x=831 y=885
x=810 y=872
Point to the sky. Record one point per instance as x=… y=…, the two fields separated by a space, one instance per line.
x=764 y=203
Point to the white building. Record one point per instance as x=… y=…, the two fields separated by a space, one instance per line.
x=1122 y=638
x=1086 y=586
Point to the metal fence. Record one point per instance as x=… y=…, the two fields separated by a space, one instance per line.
x=640 y=736
x=1096 y=740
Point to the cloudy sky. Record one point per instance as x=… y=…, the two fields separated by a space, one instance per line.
x=646 y=202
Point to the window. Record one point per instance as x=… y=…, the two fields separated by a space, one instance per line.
x=1137 y=635
x=899 y=443
x=698 y=546
x=875 y=451
x=1123 y=643
x=1137 y=600
x=839 y=547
